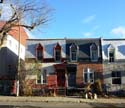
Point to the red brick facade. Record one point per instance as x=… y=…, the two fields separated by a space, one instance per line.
x=96 y=67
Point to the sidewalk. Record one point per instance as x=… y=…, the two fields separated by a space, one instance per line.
x=61 y=99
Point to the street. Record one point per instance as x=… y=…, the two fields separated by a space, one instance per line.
x=57 y=105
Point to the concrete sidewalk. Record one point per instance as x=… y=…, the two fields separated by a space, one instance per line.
x=62 y=99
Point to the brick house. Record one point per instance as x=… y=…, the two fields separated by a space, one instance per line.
x=84 y=56
x=50 y=54
x=66 y=64
x=113 y=54
x=9 y=58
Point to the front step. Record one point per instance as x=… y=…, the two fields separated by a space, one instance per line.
x=61 y=91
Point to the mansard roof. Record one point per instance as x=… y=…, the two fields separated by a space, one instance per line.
x=47 y=44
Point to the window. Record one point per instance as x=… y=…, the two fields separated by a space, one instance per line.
x=88 y=76
x=111 y=56
x=38 y=79
x=39 y=52
x=94 y=52
x=57 y=55
x=73 y=52
x=57 y=52
x=111 y=53
x=39 y=55
x=44 y=75
x=116 y=77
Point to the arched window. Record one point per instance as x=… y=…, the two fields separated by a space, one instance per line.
x=88 y=75
x=94 y=52
x=73 y=52
x=111 y=53
x=57 y=52
x=39 y=52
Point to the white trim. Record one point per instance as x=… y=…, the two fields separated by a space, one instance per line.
x=97 y=51
x=88 y=72
x=77 y=53
x=111 y=48
x=40 y=80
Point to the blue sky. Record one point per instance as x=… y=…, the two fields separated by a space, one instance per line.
x=84 y=19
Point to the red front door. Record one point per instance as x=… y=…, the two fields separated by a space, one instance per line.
x=61 y=80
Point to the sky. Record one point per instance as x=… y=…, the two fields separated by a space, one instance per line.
x=84 y=19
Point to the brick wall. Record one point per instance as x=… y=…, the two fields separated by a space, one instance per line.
x=96 y=67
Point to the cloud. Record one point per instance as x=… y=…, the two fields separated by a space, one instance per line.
x=87 y=34
x=89 y=19
x=120 y=31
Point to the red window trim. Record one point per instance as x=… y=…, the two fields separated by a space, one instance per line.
x=58 y=47
x=39 y=47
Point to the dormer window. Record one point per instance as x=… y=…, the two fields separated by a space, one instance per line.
x=111 y=53
x=39 y=52
x=94 y=52
x=73 y=53
x=57 y=52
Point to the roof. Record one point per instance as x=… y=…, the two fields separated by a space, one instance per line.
x=63 y=39
x=15 y=33
x=114 y=39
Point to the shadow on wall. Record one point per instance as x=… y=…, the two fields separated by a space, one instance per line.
x=121 y=49
x=9 y=60
x=8 y=70
x=105 y=49
x=48 y=48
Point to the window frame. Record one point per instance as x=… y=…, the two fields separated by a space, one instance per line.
x=57 y=48
x=95 y=58
x=42 y=78
x=116 y=75
x=76 y=53
x=88 y=72
x=39 y=48
x=111 y=49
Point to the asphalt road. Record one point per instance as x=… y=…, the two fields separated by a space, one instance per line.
x=57 y=105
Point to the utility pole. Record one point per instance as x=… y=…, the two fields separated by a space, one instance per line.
x=18 y=60
x=18 y=70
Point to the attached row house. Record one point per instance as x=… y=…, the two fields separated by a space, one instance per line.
x=62 y=66
x=67 y=65
x=113 y=53
x=12 y=47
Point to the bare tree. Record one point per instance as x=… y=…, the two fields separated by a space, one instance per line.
x=25 y=13
x=1 y=1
